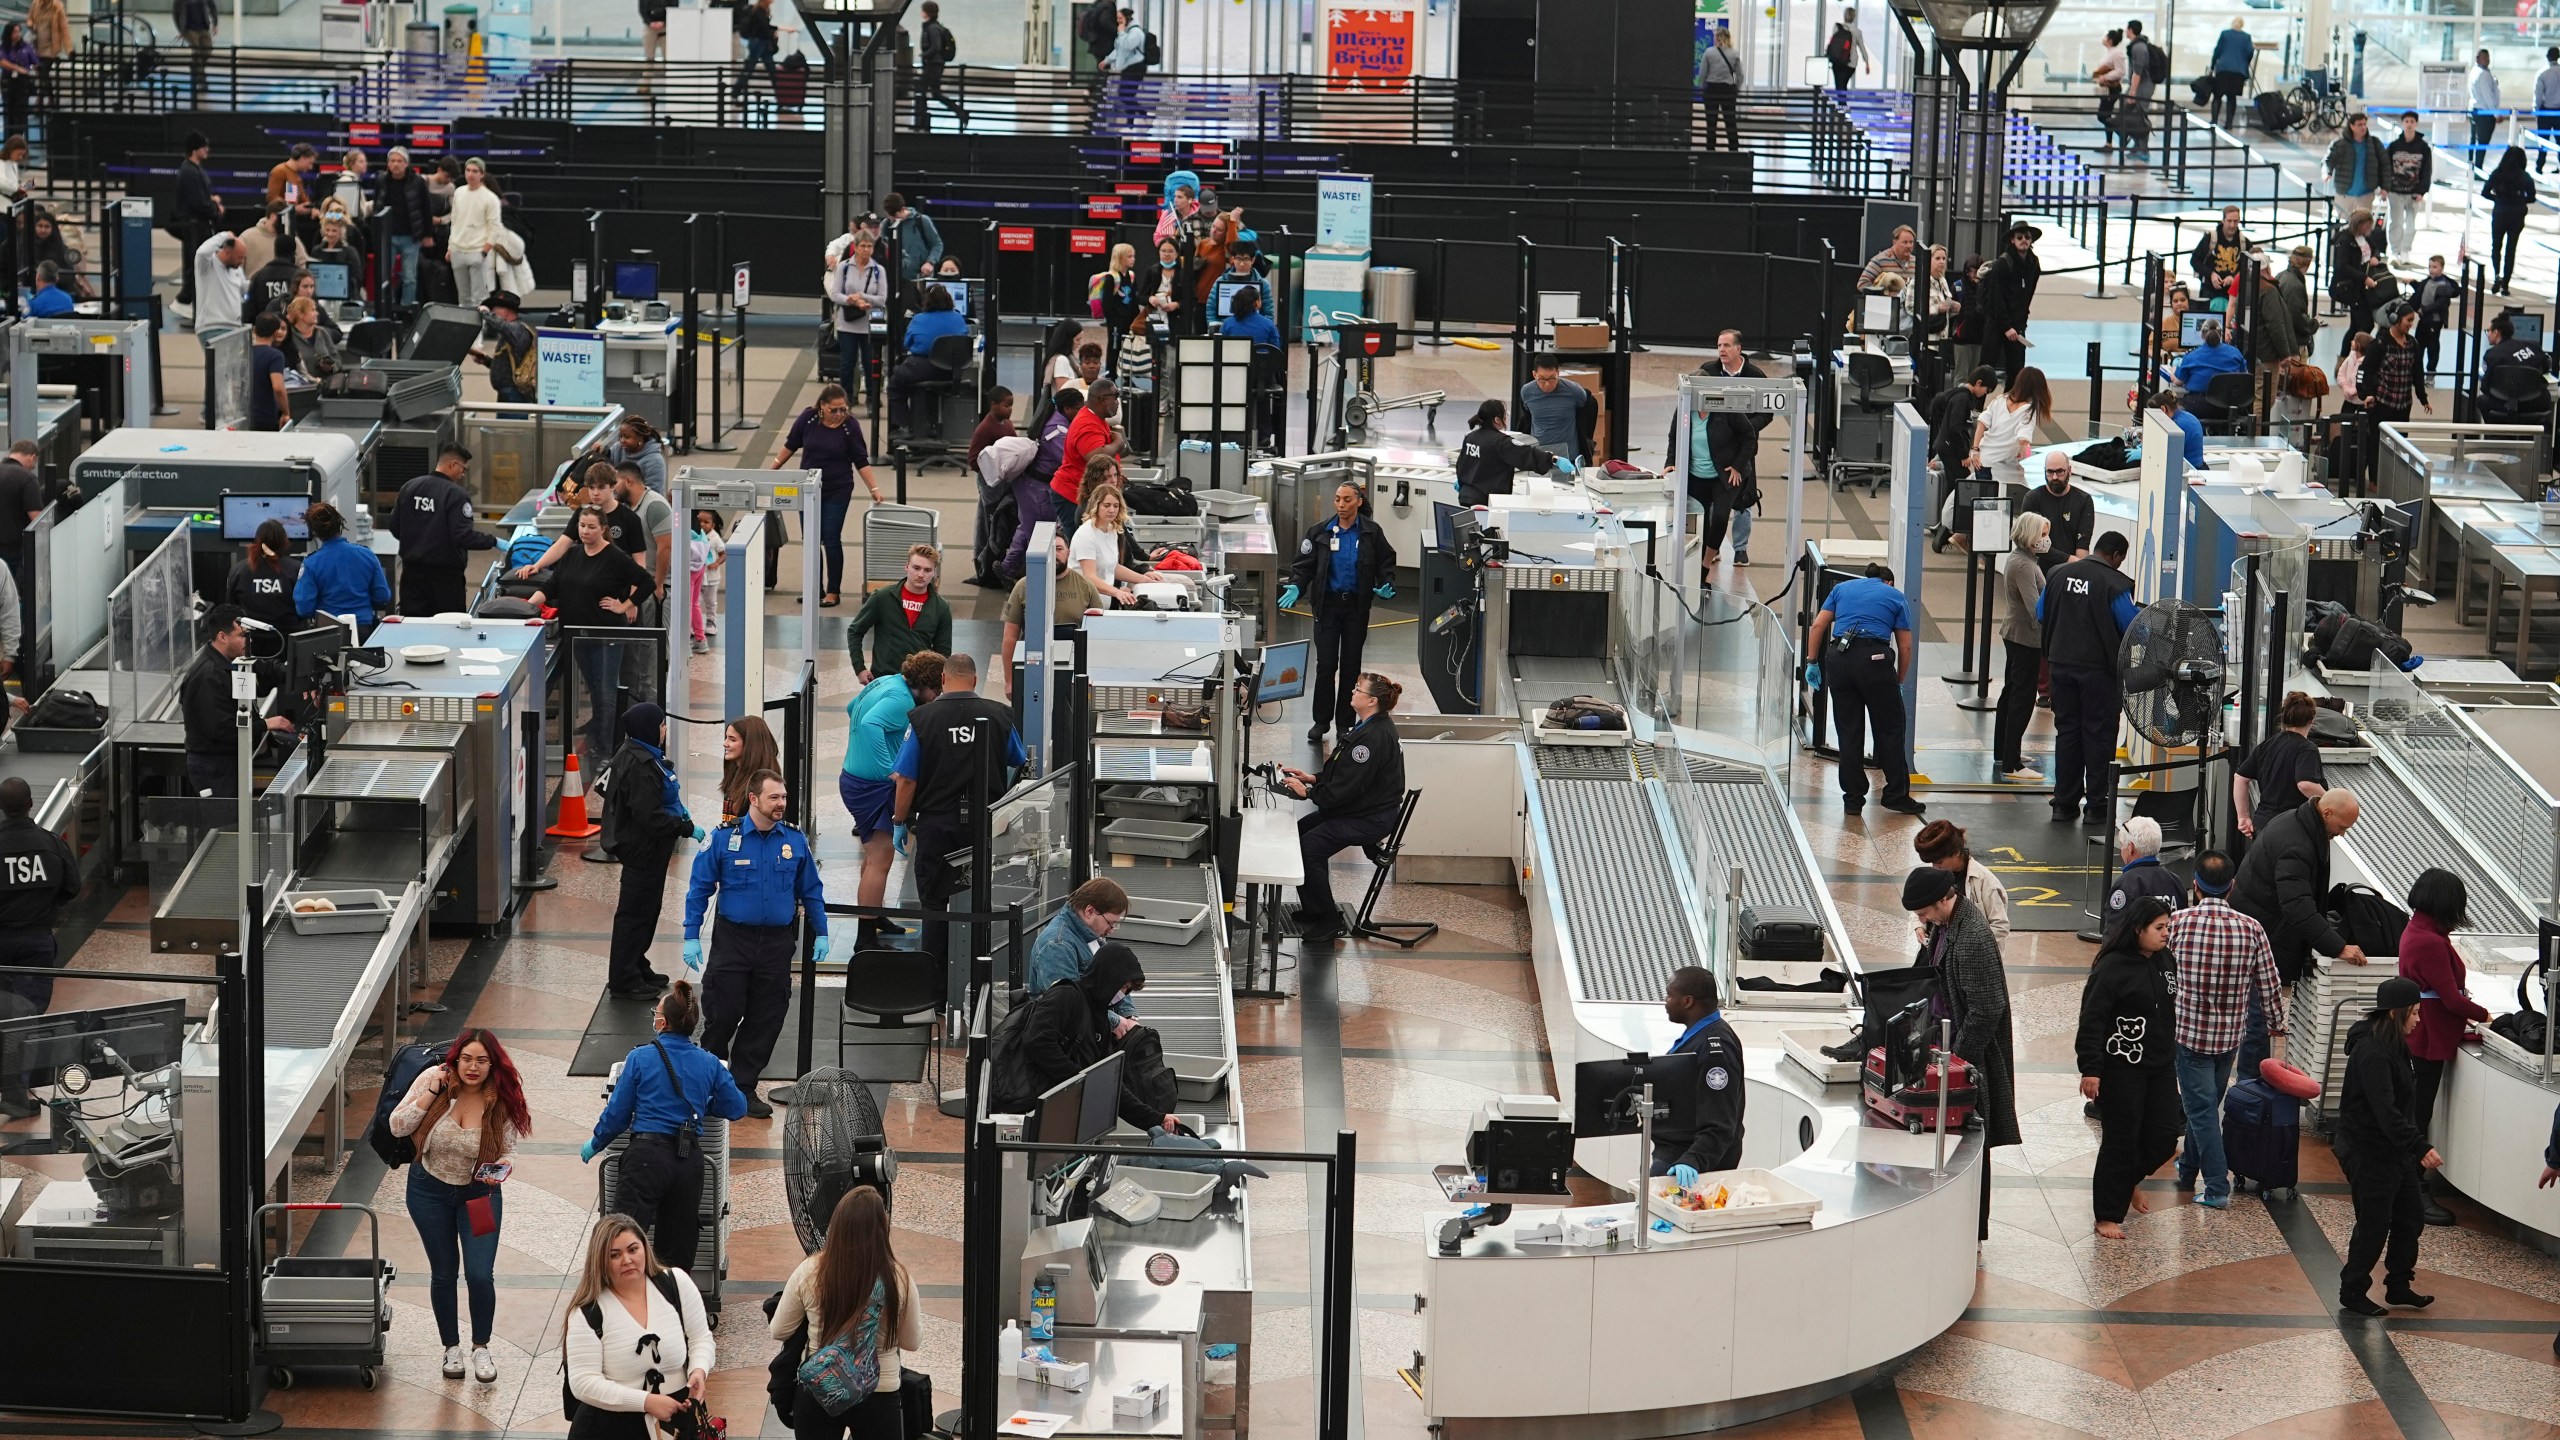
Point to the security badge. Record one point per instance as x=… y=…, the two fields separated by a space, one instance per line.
x=786 y=849
x=1717 y=1079
x=1359 y=754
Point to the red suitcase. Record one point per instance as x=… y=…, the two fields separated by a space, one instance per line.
x=1914 y=1106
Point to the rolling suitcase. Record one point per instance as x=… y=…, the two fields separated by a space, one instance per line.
x=1774 y=933
x=2262 y=1137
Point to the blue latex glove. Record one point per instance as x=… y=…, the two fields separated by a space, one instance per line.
x=693 y=954
x=1288 y=597
x=898 y=838
x=1813 y=675
x=1685 y=1176
x=819 y=950
x=700 y=834
x=587 y=1152
x=1386 y=591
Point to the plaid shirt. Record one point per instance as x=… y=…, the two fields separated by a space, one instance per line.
x=2398 y=377
x=2221 y=954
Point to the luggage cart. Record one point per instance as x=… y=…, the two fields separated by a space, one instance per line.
x=324 y=1310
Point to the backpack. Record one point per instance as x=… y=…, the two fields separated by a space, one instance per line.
x=1144 y=1075
x=2155 y=63
x=524 y=366
x=1585 y=712
x=527 y=549
x=845 y=1370
x=609 y=815
x=403 y=1072
x=1155 y=49
x=61 y=709
x=949 y=50
x=593 y=1310
x=1154 y=497
x=2525 y=1026
x=2367 y=918
x=1840 y=49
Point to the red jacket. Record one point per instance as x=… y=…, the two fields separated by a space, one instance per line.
x=2427 y=957
x=1089 y=432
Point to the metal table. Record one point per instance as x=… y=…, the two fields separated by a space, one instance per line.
x=1115 y=1363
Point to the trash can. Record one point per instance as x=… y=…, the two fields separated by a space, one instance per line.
x=421 y=38
x=461 y=22
x=1391 y=290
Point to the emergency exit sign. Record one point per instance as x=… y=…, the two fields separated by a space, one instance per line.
x=1015 y=237
x=1102 y=207
x=1088 y=242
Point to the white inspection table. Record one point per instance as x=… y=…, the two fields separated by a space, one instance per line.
x=1267 y=858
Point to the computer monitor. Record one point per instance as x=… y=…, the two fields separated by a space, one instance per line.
x=959 y=289
x=243 y=514
x=311 y=654
x=1601 y=1089
x=1069 y=1109
x=2191 y=327
x=331 y=281
x=1879 y=314
x=635 y=279
x=2525 y=325
x=1284 y=671
x=143 y=1037
x=1222 y=297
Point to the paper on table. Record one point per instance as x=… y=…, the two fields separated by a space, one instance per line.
x=494 y=657
x=479 y=670
x=1039 y=1423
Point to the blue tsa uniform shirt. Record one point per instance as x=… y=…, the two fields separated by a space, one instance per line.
x=764 y=877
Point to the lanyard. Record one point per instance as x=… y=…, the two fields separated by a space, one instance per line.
x=1686 y=1035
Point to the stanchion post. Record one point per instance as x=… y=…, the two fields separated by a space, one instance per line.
x=2100 y=269
x=2097 y=378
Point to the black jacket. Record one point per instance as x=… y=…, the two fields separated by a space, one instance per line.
x=1716 y=1143
x=1310 y=570
x=2348 y=268
x=2144 y=879
x=272 y=286
x=929 y=47
x=196 y=200
x=635 y=793
x=2283 y=884
x=2008 y=293
x=1060 y=1031
x=39 y=878
x=403 y=204
x=1733 y=437
x=653 y=12
x=2079 y=613
x=266 y=594
x=2216 y=260
x=1488 y=458
x=1365 y=773
x=2128 y=1013
x=1951 y=419
x=2377 y=1106
x=432 y=520
x=206 y=709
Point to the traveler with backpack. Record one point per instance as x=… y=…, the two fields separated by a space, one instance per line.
x=1840 y=52
x=637 y=1346
x=1063 y=1029
x=465 y=1116
x=2439 y=904
x=2146 y=70
x=862 y=1314
x=2383 y=1148
x=1719 y=88
x=1132 y=49
x=2127 y=1056
x=644 y=817
x=1064 y=948
x=754 y=25
x=2356 y=163
x=935 y=49
x=666 y=1089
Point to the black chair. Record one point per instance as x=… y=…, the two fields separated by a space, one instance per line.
x=373 y=339
x=2515 y=395
x=2224 y=404
x=950 y=355
x=1869 y=374
x=890 y=990
x=1403 y=934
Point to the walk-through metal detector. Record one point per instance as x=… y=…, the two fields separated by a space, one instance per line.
x=1048 y=662
x=746 y=501
x=127 y=343
x=1702 y=395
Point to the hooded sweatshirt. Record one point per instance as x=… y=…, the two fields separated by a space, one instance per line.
x=2129 y=1013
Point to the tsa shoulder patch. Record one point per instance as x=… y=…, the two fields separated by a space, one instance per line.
x=1718 y=1078
x=1359 y=754
x=1306 y=547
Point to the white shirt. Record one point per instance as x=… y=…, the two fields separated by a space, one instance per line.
x=2484 y=91
x=1102 y=547
x=1063 y=368
x=610 y=1371
x=475 y=219
x=221 y=290
x=2004 y=424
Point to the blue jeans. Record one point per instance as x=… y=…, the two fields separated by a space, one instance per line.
x=405 y=248
x=2201 y=1078
x=1741 y=532
x=2254 y=1044
x=444 y=1227
x=831 y=513
x=853 y=362
x=600 y=674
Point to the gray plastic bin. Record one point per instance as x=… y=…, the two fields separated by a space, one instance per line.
x=1173 y=840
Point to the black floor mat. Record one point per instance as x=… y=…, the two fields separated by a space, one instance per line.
x=2047 y=867
x=618 y=1026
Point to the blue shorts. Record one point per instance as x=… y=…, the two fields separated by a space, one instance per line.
x=871 y=802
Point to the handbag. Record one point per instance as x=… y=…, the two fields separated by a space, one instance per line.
x=2301 y=379
x=2527 y=1027
x=845 y=1370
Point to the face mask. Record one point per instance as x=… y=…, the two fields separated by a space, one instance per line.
x=2043 y=544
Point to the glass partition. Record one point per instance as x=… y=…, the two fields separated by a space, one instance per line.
x=76 y=569
x=151 y=633
x=1033 y=845
x=522 y=448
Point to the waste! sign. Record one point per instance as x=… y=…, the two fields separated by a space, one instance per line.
x=1368 y=48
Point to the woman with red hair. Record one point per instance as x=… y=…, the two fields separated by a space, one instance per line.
x=465 y=1115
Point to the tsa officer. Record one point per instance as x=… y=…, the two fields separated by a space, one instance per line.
x=1861 y=649
x=1340 y=564
x=1357 y=799
x=668 y=1086
x=1489 y=457
x=209 y=713
x=433 y=523
x=766 y=877
x=961 y=751
x=37 y=878
x=2086 y=608
x=1716 y=1144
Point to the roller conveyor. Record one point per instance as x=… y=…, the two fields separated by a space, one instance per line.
x=2397 y=836
x=1621 y=899
x=309 y=979
x=1751 y=827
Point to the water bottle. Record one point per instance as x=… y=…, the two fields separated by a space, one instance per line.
x=1044 y=1309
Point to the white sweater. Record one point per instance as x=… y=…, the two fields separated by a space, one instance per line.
x=475 y=219
x=607 y=1371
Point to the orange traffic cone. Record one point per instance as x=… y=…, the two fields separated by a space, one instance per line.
x=574 y=824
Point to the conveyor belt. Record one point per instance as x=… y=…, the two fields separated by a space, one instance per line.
x=1621 y=904
x=1582 y=762
x=1738 y=813
x=309 y=979
x=2396 y=836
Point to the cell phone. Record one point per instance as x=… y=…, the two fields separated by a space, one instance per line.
x=494 y=1173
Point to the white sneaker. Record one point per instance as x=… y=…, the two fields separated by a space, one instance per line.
x=484 y=1366
x=453 y=1362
